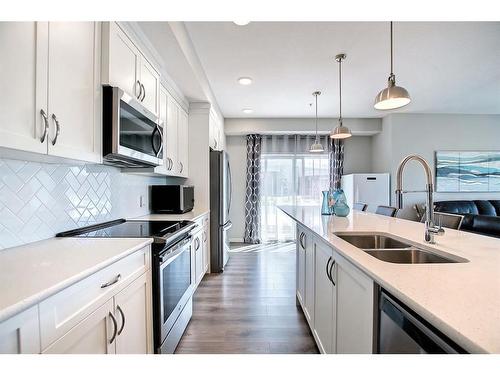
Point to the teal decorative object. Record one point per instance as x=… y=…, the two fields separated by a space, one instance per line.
x=325 y=206
x=340 y=207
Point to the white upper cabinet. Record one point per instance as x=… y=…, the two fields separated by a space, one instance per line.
x=126 y=67
x=171 y=135
x=51 y=71
x=150 y=84
x=21 y=123
x=72 y=103
x=183 y=143
x=121 y=60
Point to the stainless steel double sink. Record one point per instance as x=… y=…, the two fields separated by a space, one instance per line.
x=387 y=248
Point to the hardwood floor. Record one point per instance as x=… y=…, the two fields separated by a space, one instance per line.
x=250 y=308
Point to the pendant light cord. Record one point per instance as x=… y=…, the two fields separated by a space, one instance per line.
x=316 y=97
x=392 y=70
x=340 y=91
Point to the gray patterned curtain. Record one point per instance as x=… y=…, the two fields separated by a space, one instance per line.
x=336 y=158
x=252 y=199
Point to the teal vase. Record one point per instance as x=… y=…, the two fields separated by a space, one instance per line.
x=325 y=206
x=340 y=208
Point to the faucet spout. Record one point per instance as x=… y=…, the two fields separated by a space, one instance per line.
x=430 y=228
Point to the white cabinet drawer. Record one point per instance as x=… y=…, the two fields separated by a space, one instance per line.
x=64 y=310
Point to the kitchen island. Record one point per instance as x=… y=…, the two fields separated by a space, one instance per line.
x=460 y=299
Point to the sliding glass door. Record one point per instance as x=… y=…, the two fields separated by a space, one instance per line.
x=289 y=179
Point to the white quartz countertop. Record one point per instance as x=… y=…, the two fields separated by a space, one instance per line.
x=191 y=215
x=33 y=272
x=462 y=300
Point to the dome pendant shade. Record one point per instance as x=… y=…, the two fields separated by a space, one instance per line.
x=392 y=97
x=340 y=132
x=316 y=147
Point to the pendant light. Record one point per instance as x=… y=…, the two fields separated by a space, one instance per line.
x=341 y=131
x=316 y=146
x=393 y=96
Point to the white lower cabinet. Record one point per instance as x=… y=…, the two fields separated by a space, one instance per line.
x=337 y=298
x=200 y=249
x=198 y=255
x=107 y=312
x=21 y=333
x=133 y=314
x=356 y=310
x=305 y=276
x=93 y=335
x=325 y=299
x=301 y=266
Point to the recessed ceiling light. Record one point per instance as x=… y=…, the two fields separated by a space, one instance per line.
x=247 y=110
x=245 y=81
x=241 y=22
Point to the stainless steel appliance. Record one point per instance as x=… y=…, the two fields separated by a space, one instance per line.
x=172 y=199
x=401 y=331
x=172 y=272
x=220 y=203
x=132 y=135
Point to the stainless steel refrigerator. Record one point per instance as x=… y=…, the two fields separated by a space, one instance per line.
x=220 y=203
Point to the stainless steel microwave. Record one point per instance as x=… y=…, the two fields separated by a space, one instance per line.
x=132 y=135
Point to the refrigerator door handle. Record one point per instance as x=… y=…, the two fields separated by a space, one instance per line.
x=228 y=225
x=230 y=187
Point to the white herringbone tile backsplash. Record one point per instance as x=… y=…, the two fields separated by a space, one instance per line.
x=38 y=200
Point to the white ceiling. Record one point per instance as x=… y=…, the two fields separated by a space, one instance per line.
x=447 y=67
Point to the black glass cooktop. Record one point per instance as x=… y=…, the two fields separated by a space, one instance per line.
x=130 y=229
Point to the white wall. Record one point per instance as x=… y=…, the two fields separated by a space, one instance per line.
x=358 y=156
x=423 y=134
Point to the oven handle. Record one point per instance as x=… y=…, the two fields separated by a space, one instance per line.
x=170 y=257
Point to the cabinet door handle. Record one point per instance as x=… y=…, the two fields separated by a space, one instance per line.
x=328 y=269
x=331 y=269
x=301 y=237
x=115 y=326
x=114 y=281
x=143 y=93
x=123 y=319
x=138 y=83
x=196 y=243
x=58 y=129
x=182 y=166
x=45 y=126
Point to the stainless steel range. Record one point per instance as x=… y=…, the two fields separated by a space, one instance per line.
x=173 y=281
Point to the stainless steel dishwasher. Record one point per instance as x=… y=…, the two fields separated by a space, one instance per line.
x=401 y=331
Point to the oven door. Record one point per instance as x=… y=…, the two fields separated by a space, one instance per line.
x=136 y=133
x=175 y=284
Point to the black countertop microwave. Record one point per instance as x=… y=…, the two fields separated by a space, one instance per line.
x=172 y=199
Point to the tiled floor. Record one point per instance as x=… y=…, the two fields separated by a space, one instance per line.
x=250 y=308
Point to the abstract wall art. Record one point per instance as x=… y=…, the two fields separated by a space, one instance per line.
x=467 y=171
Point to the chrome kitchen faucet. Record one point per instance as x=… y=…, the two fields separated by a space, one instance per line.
x=430 y=228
